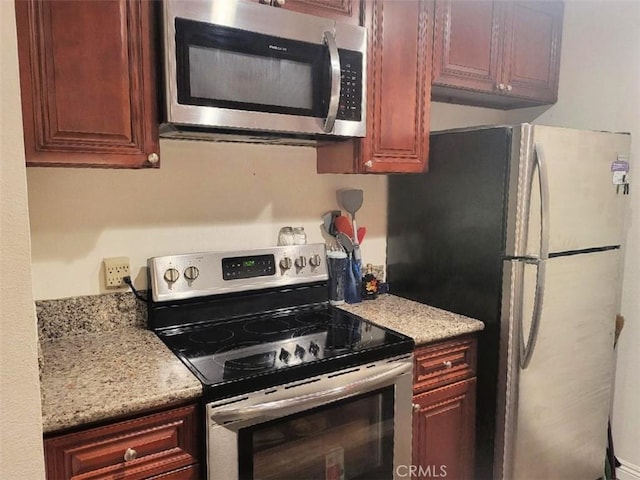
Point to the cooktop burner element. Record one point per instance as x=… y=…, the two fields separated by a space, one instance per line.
x=266 y=326
x=214 y=335
x=237 y=340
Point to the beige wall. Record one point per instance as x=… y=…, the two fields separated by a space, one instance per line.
x=206 y=196
x=21 y=455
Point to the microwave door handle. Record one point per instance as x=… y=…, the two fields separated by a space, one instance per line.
x=281 y=408
x=334 y=68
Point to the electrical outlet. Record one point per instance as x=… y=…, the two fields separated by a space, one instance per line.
x=115 y=269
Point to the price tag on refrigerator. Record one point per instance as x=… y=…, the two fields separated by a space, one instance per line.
x=620 y=171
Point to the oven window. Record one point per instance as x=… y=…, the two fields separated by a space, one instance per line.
x=350 y=439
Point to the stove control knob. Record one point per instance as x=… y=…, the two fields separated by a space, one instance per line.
x=284 y=355
x=314 y=349
x=191 y=273
x=315 y=260
x=299 y=352
x=301 y=262
x=171 y=275
x=286 y=263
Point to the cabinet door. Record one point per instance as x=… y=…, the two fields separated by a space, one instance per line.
x=467 y=50
x=532 y=50
x=88 y=82
x=398 y=94
x=344 y=11
x=444 y=431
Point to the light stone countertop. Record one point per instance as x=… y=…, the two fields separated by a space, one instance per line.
x=98 y=372
x=98 y=376
x=423 y=323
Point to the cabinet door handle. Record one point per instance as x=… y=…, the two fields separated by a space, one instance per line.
x=447 y=364
x=130 y=454
x=416 y=407
x=153 y=158
x=368 y=164
x=509 y=88
x=501 y=86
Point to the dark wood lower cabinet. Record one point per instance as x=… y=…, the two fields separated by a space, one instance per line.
x=443 y=443
x=164 y=445
x=444 y=410
x=189 y=473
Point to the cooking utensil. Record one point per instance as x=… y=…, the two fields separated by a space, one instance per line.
x=328 y=221
x=345 y=241
x=342 y=224
x=330 y=240
x=362 y=231
x=351 y=200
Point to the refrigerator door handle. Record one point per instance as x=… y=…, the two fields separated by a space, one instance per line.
x=527 y=348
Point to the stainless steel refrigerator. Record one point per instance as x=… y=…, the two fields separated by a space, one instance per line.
x=521 y=227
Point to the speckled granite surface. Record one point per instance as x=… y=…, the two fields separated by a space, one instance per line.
x=423 y=323
x=98 y=363
x=97 y=376
x=89 y=314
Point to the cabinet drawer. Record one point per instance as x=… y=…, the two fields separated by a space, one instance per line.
x=190 y=473
x=443 y=363
x=153 y=444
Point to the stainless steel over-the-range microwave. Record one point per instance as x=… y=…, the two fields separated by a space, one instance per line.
x=251 y=72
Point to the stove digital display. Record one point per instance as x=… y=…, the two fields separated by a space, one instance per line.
x=235 y=268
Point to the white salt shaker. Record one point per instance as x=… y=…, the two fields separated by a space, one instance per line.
x=286 y=236
x=299 y=236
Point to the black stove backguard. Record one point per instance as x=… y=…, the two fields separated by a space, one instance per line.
x=218 y=308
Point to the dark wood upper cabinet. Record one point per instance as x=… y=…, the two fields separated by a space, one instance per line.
x=495 y=53
x=398 y=94
x=532 y=50
x=467 y=49
x=344 y=11
x=88 y=81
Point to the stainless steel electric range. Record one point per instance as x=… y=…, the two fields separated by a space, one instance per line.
x=293 y=387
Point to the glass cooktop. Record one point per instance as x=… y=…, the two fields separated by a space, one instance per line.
x=241 y=355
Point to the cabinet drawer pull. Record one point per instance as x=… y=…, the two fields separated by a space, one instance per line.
x=447 y=364
x=130 y=454
x=416 y=407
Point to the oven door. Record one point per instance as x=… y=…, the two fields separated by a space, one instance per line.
x=245 y=71
x=353 y=424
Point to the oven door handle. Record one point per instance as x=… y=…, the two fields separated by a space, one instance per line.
x=281 y=408
x=334 y=70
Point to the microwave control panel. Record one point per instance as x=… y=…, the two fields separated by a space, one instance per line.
x=350 y=105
